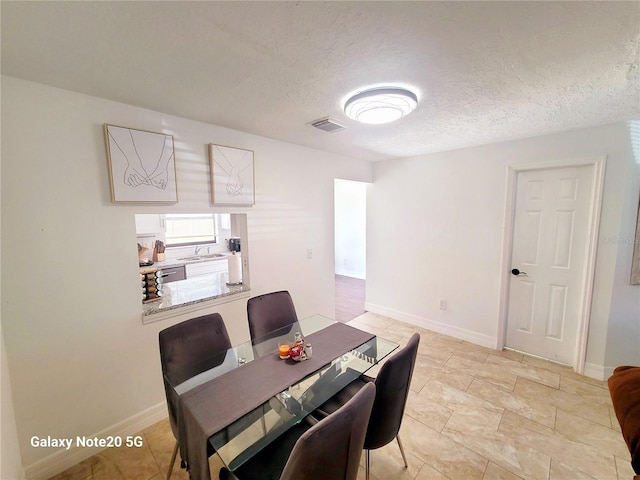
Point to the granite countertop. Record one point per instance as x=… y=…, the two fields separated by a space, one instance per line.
x=191 y=291
x=177 y=262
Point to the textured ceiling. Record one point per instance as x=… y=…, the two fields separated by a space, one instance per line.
x=484 y=72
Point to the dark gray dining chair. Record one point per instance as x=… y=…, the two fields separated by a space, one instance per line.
x=269 y=312
x=187 y=349
x=392 y=389
x=328 y=450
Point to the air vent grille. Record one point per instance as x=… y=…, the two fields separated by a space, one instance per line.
x=328 y=125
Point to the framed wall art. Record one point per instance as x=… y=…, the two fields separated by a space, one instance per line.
x=635 y=263
x=232 y=180
x=142 y=166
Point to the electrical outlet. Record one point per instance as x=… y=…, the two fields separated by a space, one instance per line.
x=443 y=304
x=309 y=253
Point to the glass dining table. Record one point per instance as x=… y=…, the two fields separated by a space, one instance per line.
x=242 y=400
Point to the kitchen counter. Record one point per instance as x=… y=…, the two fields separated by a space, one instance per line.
x=177 y=262
x=191 y=292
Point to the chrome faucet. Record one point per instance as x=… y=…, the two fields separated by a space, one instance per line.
x=198 y=247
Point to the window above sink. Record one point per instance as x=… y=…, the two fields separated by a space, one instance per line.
x=185 y=229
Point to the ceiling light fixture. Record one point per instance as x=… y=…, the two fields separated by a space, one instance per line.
x=381 y=105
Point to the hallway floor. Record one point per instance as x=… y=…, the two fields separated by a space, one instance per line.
x=350 y=293
x=473 y=414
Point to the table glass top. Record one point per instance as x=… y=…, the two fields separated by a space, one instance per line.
x=239 y=441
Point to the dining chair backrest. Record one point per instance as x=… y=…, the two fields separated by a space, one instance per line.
x=331 y=449
x=270 y=312
x=392 y=388
x=189 y=348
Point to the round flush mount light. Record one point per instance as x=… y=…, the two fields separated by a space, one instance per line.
x=380 y=105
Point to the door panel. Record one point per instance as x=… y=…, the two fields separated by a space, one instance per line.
x=549 y=246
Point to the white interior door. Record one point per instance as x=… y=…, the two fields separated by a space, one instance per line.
x=549 y=259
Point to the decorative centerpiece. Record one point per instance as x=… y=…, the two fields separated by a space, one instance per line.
x=299 y=351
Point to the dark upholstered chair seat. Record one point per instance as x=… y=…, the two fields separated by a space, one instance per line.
x=624 y=387
x=328 y=450
x=187 y=349
x=392 y=388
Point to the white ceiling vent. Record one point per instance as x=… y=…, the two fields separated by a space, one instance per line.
x=328 y=125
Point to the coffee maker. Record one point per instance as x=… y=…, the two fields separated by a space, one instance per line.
x=234 y=244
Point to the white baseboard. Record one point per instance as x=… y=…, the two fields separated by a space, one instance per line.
x=64 y=459
x=592 y=370
x=599 y=372
x=451 y=330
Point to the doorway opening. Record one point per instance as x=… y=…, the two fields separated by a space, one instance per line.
x=350 y=225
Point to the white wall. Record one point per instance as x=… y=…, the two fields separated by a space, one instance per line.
x=350 y=228
x=10 y=461
x=79 y=356
x=449 y=210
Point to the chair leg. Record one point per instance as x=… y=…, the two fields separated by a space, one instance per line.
x=402 y=451
x=264 y=424
x=366 y=463
x=173 y=460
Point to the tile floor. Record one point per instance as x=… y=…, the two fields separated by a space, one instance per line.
x=473 y=413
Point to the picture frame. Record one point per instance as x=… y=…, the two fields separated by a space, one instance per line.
x=232 y=175
x=142 y=166
x=635 y=262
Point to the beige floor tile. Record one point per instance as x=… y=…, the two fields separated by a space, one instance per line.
x=375 y=320
x=615 y=425
x=81 y=471
x=540 y=375
x=511 y=354
x=623 y=466
x=473 y=352
x=560 y=471
x=535 y=410
x=586 y=432
x=563 y=370
x=491 y=373
x=496 y=472
x=443 y=373
x=161 y=442
x=134 y=463
x=568 y=402
x=515 y=420
x=512 y=452
x=401 y=330
x=471 y=411
x=386 y=462
x=427 y=412
x=418 y=381
x=585 y=390
x=581 y=457
x=450 y=458
x=434 y=353
x=104 y=468
x=429 y=473
x=444 y=341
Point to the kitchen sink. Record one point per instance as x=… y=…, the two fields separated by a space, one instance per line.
x=193 y=258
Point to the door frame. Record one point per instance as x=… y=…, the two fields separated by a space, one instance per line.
x=598 y=165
